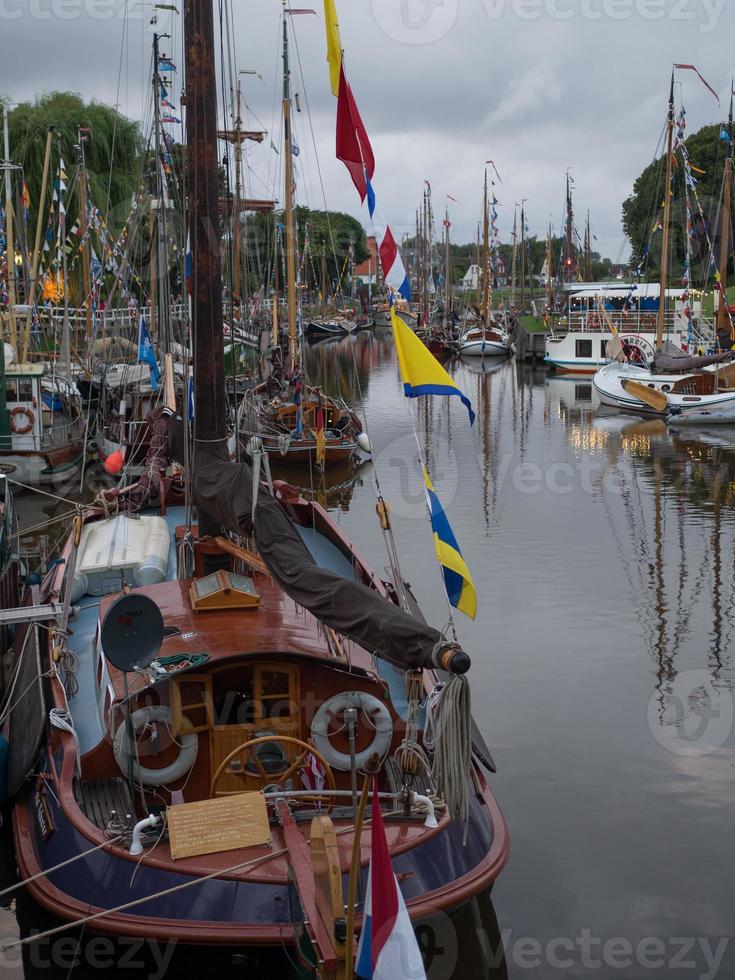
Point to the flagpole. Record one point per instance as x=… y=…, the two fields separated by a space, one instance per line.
x=354 y=878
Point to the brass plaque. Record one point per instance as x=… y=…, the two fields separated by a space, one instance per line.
x=226 y=823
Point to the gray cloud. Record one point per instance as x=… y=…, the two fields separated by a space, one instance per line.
x=539 y=86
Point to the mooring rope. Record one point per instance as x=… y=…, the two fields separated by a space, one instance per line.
x=452 y=721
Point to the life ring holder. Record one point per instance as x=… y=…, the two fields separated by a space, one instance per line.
x=188 y=741
x=22 y=430
x=377 y=715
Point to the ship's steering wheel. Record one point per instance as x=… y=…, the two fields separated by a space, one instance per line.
x=260 y=778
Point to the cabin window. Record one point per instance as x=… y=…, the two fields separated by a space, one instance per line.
x=277 y=693
x=11 y=393
x=583 y=348
x=603 y=348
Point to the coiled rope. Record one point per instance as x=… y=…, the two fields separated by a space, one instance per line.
x=452 y=726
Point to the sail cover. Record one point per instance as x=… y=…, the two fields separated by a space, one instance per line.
x=673 y=359
x=223 y=490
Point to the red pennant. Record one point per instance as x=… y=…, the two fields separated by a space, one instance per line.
x=353 y=143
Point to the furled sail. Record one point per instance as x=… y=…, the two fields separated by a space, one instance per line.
x=223 y=490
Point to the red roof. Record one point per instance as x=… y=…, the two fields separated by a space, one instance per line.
x=370 y=265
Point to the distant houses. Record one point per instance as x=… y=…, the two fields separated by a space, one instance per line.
x=366 y=272
x=470 y=280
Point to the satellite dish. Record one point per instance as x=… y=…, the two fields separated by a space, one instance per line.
x=132 y=632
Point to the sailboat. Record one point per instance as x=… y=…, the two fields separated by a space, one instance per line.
x=288 y=418
x=485 y=339
x=10 y=572
x=676 y=384
x=199 y=741
x=42 y=425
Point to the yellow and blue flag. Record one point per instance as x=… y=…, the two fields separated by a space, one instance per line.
x=422 y=374
x=457 y=579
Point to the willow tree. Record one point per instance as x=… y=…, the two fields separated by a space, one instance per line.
x=113 y=151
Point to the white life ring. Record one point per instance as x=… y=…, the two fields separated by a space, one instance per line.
x=189 y=742
x=374 y=710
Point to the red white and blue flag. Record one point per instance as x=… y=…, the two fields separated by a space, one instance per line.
x=388 y=949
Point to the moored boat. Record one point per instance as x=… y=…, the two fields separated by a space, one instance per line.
x=225 y=685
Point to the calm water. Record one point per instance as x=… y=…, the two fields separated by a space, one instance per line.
x=603 y=553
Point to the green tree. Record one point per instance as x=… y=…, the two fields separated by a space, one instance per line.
x=113 y=151
x=645 y=206
x=331 y=231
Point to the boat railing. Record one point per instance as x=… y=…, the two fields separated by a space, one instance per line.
x=60 y=434
x=625 y=323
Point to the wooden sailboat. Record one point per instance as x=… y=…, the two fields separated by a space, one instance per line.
x=676 y=384
x=198 y=773
x=287 y=417
x=486 y=338
x=42 y=426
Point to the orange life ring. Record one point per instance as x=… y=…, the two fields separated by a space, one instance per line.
x=21 y=430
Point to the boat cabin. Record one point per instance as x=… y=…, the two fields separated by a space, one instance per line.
x=248 y=693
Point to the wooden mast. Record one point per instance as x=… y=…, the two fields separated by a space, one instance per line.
x=523 y=256
x=724 y=321
x=289 y=212
x=447 y=276
x=33 y=299
x=237 y=284
x=661 y=320
x=569 y=263
x=9 y=246
x=588 y=251
x=204 y=231
x=485 y=250
x=477 y=267
x=514 y=258
x=83 y=231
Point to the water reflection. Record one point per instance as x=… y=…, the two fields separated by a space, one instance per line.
x=603 y=551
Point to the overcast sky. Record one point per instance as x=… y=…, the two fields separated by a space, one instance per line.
x=538 y=86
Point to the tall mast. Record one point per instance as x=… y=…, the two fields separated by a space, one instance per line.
x=549 y=280
x=274 y=309
x=587 y=251
x=514 y=258
x=9 y=248
x=204 y=233
x=477 y=266
x=447 y=279
x=161 y=285
x=660 y=323
x=723 y=317
x=290 y=228
x=33 y=299
x=570 y=263
x=485 y=251
x=523 y=256
x=83 y=229
x=237 y=278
